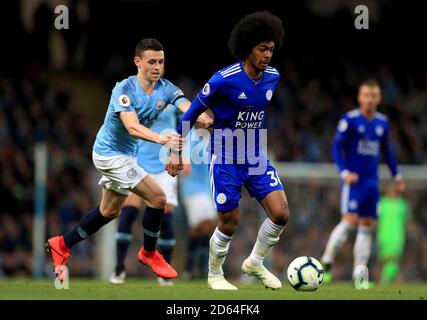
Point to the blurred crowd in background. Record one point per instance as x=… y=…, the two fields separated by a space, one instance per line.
x=313 y=93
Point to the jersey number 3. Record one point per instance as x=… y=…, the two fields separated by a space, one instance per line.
x=274 y=177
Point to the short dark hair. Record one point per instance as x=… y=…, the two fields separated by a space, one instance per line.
x=253 y=29
x=370 y=82
x=147 y=44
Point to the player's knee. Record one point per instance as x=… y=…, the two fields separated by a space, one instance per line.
x=159 y=201
x=228 y=224
x=110 y=211
x=280 y=214
x=366 y=222
x=351 y=219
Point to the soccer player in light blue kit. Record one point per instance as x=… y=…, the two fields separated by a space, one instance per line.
x=135 y=104
x=362 y=135
x=149 y=157
x=238 y=96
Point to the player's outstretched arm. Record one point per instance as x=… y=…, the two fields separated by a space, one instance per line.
x=190 y=117
x=204 y=121
x=337 y=154
x=391 y=162
x=174 y=164
x=137 y=130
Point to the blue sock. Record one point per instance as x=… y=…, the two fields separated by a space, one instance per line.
x=124 y=235
x=167 y=237
x=151 y=224
x=88 y=225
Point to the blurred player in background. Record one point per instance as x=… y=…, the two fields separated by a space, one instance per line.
x=392 y=216
x=135 y=104
x=238 y=96
x=195 y=191
x=149 y=159
x=362 y=135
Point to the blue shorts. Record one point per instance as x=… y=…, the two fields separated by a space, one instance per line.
x=227 y=181
x=360 y=198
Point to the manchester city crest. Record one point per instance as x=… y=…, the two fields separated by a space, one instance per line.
x=131 y=173
x=160 y=104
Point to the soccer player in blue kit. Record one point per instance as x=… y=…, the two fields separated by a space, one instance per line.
x=135 y=104
x=362 y=135
x=238 y=96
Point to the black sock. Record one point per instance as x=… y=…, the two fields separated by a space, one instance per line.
x=124 y=235
x=151 y=224
x=88 y=225
x=203 y=251
x=191 y=253
x=167 y=237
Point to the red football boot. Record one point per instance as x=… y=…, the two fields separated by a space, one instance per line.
x=157 y=263
x=60 y=254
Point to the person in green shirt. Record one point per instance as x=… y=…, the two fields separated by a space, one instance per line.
x=393 y=214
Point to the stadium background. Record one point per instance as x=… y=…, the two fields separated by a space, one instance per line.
x=55 y=85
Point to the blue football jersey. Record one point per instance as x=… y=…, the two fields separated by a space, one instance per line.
x=359 y=143
x=113 y=138
x=239 y=105
x=150 y=156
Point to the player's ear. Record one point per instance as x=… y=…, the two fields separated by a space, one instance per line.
x=380 y=97
x=137 y=61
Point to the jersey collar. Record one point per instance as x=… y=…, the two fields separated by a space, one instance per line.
x=254 y=82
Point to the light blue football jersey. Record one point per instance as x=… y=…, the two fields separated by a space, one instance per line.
x=113 y=138
x=198 y=181
x=150 y=156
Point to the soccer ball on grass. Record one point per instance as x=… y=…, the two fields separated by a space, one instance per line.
x=305 y=274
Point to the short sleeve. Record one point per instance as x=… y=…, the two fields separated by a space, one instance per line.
x=343 y=128
x=174 y=94
x=123 y=100
x=211 y=91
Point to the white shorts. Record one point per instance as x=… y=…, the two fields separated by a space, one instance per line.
x=169 y=186
x=119 y=173
x=199 y=208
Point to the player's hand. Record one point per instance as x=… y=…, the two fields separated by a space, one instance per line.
x=205 y=120
x=351 y=178
x=174 y=164
x=172 y=140
x=399 y=186
x=187 y=169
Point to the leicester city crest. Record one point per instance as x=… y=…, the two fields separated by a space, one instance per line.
x=379 y=130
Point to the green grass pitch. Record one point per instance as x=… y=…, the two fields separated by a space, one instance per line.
x=197 y=290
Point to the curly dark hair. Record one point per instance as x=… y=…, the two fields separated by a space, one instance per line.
x=253 y=29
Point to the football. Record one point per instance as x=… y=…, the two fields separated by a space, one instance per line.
x=305 y=274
